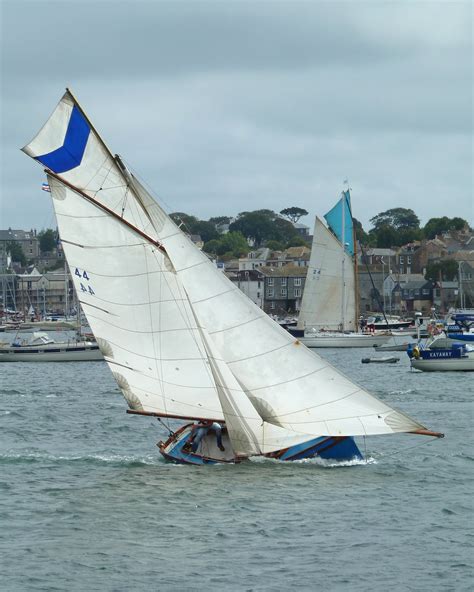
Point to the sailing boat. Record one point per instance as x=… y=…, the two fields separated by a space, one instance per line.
x=181 y=340
x=328 y=316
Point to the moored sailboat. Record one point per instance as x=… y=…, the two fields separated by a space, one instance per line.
x=181 y=340
x=328 y=316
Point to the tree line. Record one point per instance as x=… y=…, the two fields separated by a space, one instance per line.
x=265 y=228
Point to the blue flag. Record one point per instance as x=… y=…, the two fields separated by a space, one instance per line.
x=334 y=220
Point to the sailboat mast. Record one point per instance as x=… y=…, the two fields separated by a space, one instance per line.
x=66 y=291
x=343 y=296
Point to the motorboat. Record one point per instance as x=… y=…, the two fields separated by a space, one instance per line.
x=460 y=357
x=41 y=348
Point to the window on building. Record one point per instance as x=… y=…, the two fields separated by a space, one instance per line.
x=283 y=293
x=272 y=305
x=258 y=285
x=297 y=282
x=425 y=292
x=270 y=281
x=408 y=270
x=270 y=293
x=409 y=259
x=417 y=292
x=401 y=260
x=283 y=281
x=297 y=292
x=258 y=294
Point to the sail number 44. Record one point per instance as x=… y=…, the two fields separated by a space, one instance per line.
x=83 y=275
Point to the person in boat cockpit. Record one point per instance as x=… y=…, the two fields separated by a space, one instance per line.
x=199 y=430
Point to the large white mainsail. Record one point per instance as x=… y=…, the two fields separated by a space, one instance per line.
x=323 y=291
x=162 y=359
x=289 y=386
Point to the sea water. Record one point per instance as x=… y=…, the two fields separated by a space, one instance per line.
x=88 y=504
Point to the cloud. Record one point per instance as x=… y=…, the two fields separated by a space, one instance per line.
x=225 y=107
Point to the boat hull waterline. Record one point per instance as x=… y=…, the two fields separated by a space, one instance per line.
x=348 y=340
x=70 y=353
x=328 y=448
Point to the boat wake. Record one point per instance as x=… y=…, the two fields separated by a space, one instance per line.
x=317 y=461
x=98 y=459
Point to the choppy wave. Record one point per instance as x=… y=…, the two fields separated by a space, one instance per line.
x=114 y=459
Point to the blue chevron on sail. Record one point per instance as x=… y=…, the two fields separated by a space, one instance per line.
x=70 y=154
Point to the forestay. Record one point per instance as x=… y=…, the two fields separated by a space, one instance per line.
x=323 y=292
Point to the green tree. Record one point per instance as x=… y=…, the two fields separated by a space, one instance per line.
x=206 y=230
x=360 y=233
x=297 y=241
x=436 y=226
x=16 y=252
x=218 y=220
x=448 y=268
x=47 y=240
x=257 y=226
x=263 y=225
x=293 y=214
x=181 y=218
x=384 y=237
x=397 y=218
x=274 y=245
x=232 y=244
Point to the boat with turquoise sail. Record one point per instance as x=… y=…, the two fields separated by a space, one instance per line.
x=328 y=315
x=181 y=340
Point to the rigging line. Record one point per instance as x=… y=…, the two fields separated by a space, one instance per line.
x=424 y=443
x=102 y=206
x=99 y=169
x=135 y=303
x=136 y=331
x=260 y=316
x=189 y=319
x=116 y=246
x=159 y=200
x=170 y=431
x=160 y=371
x=216 y=295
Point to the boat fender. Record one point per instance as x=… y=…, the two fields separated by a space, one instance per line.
x=416 y=352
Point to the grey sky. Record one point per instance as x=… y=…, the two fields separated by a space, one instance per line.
x=229 y=106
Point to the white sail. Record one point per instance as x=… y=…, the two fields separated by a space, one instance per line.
x=162 y=360
x=69 y=146
x=321 y=306
x=248 y=432
x=137 y=310
x=289 y=385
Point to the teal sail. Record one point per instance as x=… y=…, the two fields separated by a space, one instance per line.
x=334 y=220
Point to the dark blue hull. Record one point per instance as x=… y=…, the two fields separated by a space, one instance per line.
x=326 y=447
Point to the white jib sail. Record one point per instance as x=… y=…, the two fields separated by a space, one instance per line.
x=289 y=385
x=248 y=432
x=323 y=293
